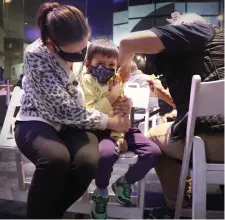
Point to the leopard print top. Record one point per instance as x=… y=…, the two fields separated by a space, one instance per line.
x=49 y=94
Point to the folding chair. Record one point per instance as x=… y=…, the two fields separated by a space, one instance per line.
x=7 y=142
x=115 y=210
x=207 y=98
x=141 y=98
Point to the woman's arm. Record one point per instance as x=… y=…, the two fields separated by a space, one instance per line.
x=45 y=90
x=143 y=42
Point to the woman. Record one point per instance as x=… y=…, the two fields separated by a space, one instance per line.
x=186 y=47
x=50 y=125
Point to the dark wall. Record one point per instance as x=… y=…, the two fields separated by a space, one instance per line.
x=100 y=17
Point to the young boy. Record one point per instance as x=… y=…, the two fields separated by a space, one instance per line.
x=101 y=92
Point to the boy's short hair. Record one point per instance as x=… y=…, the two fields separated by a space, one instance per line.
x=104 y=47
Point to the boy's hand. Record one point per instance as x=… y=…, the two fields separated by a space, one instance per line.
x=117 y=90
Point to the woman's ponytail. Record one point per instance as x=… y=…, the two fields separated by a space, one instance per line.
x=42 y=14
x=63 y=24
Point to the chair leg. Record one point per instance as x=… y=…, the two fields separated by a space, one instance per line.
x=181 y=188
x=141 y=195
x=199 y=180
x=20 y=171
x=85 y=197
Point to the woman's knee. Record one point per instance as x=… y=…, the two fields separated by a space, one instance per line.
x=88 y=155
x=51 y=155
x=160 y=134
x=55 y=162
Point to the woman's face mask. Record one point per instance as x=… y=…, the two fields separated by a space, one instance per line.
x=72 y=57
x=102 y=74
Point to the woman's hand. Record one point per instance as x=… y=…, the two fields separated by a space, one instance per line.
x=125 y=69
x=156 y=87
x=123 y=106
x=118 y=123
x=159 y=91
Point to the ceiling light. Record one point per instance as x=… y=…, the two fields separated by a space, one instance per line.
x=220 y=17
x=7 y=1
x=139 y=57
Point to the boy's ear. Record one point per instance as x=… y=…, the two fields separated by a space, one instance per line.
x=87 y=64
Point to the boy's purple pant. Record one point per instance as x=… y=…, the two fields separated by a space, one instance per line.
x=148 y=155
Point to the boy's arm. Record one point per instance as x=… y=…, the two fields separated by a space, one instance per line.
x=94 y=98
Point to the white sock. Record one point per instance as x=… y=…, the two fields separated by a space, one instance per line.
x=102 y=192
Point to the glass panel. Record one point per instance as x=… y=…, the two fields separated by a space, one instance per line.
x=141 y=24
x=1 y=41
x=203 y=8
x=140 y=11
x=119 y=32
x=180 y=7
x=120 y=17
x=165 y=8
x=212 y=20
x=139 y=2
x=13 y=39
x=120 y=20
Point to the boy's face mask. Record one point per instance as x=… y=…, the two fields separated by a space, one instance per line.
x=102 y=74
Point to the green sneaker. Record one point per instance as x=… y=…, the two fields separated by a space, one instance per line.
x=99 y=206
x=123 y=192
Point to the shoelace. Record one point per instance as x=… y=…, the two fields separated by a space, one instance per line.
x=101 y=204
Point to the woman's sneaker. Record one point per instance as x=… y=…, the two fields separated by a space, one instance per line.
x=122 y=191
x=165 y=212
x=99 y=206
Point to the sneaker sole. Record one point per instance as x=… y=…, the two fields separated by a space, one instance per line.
x=117 y=199
x=91 y=216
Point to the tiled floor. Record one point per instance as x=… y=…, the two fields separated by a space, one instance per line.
x=8 y=184
x=8 y=176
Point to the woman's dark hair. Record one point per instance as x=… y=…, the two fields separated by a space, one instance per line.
x=63 y=24
x=104 y=47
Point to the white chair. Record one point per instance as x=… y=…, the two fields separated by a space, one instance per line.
x=115 y=210
x=141 y=98
x=207 y=98
x=7 y=142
